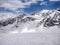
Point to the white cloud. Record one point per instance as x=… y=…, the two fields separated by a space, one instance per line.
x=54 y=0
x=13 y=4
x=43 y=3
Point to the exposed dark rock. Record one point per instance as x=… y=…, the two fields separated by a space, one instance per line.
x=6 y=22
x=27 y=19
x=58 y=9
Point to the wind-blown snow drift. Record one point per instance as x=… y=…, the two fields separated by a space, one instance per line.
x=43 y=21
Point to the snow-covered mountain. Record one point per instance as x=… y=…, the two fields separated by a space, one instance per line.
x=45 y=20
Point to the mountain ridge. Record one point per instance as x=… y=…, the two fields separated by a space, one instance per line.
x=44 y=19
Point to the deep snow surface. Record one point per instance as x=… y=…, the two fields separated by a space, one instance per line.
x=30 y=39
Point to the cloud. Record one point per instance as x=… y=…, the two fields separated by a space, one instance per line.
x=54 y=0
x=43 y=3
x=14 y=4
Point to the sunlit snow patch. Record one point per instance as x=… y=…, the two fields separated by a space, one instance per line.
x=26 y=30
x=14 y=31
x=45 y=11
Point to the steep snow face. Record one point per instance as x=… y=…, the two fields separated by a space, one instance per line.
x=44 y=11
x=43 y=21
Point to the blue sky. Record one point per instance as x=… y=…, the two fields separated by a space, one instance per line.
x=45 y=5
x=28 y=6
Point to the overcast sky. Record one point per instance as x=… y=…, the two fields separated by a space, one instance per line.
x=28 y=6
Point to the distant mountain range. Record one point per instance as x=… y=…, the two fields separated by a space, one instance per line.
x=29 y=23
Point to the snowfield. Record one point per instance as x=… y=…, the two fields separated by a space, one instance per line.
x=30 y=39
